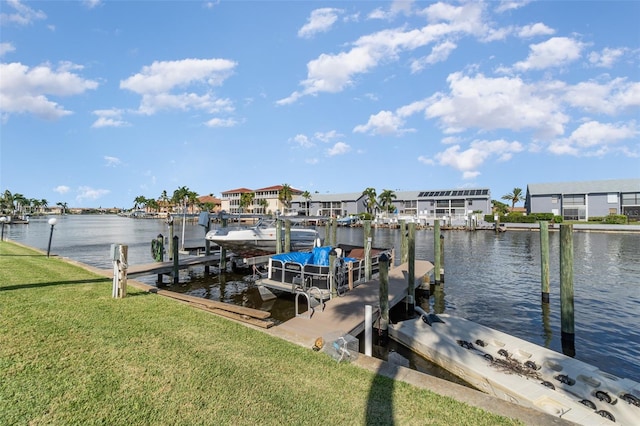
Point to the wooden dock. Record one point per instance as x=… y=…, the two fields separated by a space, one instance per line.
x=346 y=314
x=162 y=268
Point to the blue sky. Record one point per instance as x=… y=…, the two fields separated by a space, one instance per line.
x=104 y=101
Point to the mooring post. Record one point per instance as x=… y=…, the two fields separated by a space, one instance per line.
x=334 y=231
x=442 y=268
x=170 y=222
x=411 y=296
x=404 y=250
x=223 y=251
x=383 y=263
x=566 y=290
x=333 y=284
x=367 y=249
x=544 y=260
x=115 y=258
x=327 y=233
x=278 y=236
x=160 y=244
x=207 y=243
x=176 y=267
x=123 y=265
x=436 y=251
x=287 y=236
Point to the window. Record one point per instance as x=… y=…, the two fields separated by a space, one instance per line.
x=612 y=198
x=573 y=200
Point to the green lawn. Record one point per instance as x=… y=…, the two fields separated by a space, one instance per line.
x=71 y=354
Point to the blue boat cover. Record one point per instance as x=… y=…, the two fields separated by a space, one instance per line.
x=318 y=256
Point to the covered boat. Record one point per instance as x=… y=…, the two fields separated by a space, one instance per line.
x=521 y=372
x=312 y=273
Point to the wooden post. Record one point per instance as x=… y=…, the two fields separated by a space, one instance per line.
x=222 y=266
x=327 y=233
x=176 y=268
x=170 y=220
x=278 y=236
x=350 y=276
x=442 y=259
x=207 y=243
x=334 y=232
x=367 y=249
x=160 y=241
x=123 y=265
x=333 y=285
x=436 y=251
x=115 y=258
x=544 y=260
x=566 y=290
x=404 y=250
x=384 y=299
x=287 y=236
x=497 y=222
x=411 y=296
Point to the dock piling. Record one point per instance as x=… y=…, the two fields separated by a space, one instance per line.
x=436 y=251
x=383 y=332
x=566 y=290
x=287 y=236
x=404 y=248
x=176 y=262
x=544 y=260
x=411 y=254
x=367 y=249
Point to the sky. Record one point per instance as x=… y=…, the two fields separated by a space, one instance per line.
x=105 y=101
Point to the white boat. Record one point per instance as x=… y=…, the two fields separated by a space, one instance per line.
x=260 y=239
x=521 y=372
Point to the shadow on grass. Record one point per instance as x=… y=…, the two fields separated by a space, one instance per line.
x=49 y=284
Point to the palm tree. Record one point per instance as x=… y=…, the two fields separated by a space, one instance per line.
x=140 y=200
x=514 y=197
x=44 y=204
x=19 y=201
x=6 y=201
x=307 y=196
x=500 y=208
x=246 y=200
x=63 y=206
x=285 y=196
x=370 y=203
x=164 y=200
x=385 y=199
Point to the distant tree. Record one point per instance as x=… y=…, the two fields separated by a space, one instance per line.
x=370 y=202
x=515 y=197
x=139 y=201
x=44 y=204
x=307 y=196
x=500 y=208
x=19 y=201
x=285 y=195
x=246 y=200
x=152 y=204
x=63 y=206
x=385 y=200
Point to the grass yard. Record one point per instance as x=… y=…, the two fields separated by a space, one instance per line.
x=70 y=354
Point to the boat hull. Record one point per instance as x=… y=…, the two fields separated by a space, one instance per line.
x=521 y=372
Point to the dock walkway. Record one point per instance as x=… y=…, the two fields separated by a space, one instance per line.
x=162 y=268
x=346 y=314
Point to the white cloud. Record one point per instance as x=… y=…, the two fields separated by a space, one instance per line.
x=397 y=7
x=91 y=4
x=61 y=189
x=606 y=58
x=507 y=5
x=468 y=161
x=555 y=52
x=157 y=82
x=498 y=103
x=321 y=20
x=88 y=193
x=109 y=118
x=534 y=30
x=302 y=141
x=338 y=149
x=221 y=122
x=25 y=90
x=23 y=15
x=327 y=137
x=595 y=139
x=610 y=98
x=332 y=73
x=439 y=53
x=6 y=48
x=112 y=161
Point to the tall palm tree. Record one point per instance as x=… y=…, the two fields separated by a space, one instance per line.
x=6 y=201
x=164 y=199
x=307 y=196
x=370 y=203
x=246 y=200
x=44 y=204
x=285 y=196
x=385 y=199
x=19 y=201
x=514 y=197
x=140 y=200
x=63 y=206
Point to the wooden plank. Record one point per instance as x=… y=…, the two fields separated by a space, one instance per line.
x=242 y=318
x=346 y=314
x=214 y=304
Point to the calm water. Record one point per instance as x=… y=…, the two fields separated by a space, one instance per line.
x=493 y=279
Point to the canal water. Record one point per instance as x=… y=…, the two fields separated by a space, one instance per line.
x=492 y=279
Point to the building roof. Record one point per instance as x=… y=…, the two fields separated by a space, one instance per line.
x=316 y=197
x=209 y=199
x=237 y=191
x=585 y=187
x=278 y=188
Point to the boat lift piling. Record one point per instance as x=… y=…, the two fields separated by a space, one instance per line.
x=436 y=252
x=367 y=249
x=411 y=279
x=566 y=290
x=544 y=261
x=383 y=330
